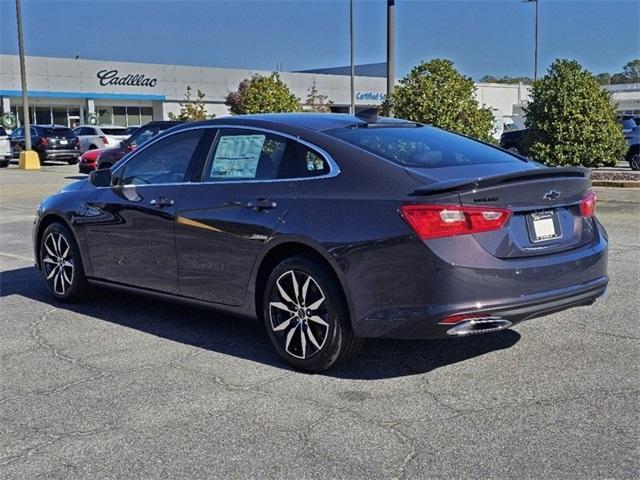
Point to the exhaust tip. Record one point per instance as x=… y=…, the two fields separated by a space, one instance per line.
x=472 y=326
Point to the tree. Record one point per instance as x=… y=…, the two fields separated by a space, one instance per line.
x=506 y=79
x=192 y=109
x=436 y=93
x=317 y=102
x=604 y=78
x=262 y=94
x=571 y=120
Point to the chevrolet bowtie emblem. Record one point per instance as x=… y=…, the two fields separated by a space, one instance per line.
x=551 y=195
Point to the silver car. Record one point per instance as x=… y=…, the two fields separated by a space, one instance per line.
x=103 y=136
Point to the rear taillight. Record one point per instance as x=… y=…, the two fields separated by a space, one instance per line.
x=44 y=142
x=588 y=204
x=105 y=140
x=433 y=221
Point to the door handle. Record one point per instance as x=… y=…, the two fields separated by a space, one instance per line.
x=162 y=202
x=262 y=204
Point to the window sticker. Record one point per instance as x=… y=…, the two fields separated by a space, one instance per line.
x=237 y=156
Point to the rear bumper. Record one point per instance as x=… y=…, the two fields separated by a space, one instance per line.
x=56 y=154
x=515 y=290
x=86 y=167
x=414 y=322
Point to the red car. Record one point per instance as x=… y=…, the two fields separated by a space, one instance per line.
x=107 y=157
x=89 y=161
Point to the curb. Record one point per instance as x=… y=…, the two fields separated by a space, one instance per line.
x=616 y=183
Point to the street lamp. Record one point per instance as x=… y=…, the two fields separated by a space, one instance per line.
x=28 y=158
x=535 y=54
x=391 y=48
x=353 y=68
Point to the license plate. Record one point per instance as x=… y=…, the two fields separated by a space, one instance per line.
x=543 y=226
x=63 y=142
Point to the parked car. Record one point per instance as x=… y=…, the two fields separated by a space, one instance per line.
x=5 y=148
x=633 y=154
x=50 y=142
x=92 y=137
x=107 y=158
x=89 y=161
x=330 y=228
x=512 y=140
x=130 y=129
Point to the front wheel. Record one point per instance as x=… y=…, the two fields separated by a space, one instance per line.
x=61 y=264
x=306 y=316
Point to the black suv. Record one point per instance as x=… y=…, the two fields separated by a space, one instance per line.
x=51 y=142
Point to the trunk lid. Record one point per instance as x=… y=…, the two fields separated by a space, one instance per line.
x=545 y=204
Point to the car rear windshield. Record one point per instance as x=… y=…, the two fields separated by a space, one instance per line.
x=422 y=147
x=114 y=131
x=58 y=132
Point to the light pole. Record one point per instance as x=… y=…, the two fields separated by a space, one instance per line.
x=535 y=50
x=23 y=77
x=28 y=158
x=352 y=108
x=391 y=48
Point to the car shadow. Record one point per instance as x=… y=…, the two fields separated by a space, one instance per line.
x=206 y=329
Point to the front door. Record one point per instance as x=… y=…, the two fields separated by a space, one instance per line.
x=130 y=226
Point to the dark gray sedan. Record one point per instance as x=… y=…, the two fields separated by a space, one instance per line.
x=330 y=229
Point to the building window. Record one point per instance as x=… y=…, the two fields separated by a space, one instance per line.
x=104 y=116
x=120 y=116
x=146 y=115
x=60 y=116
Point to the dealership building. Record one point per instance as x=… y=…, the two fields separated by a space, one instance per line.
x=69 y=91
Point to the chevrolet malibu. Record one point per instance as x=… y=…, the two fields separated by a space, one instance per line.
x=330 y=229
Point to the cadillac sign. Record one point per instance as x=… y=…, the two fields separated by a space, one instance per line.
x=110 y=77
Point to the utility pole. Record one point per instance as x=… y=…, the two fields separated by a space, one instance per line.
x=390 y=47
x=535 y=48
x=23 y=77
x=352 y=108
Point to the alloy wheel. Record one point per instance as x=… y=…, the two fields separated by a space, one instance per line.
x=57 y=263
x=299 y=315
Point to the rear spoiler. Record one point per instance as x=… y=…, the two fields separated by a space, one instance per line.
x=480 y=182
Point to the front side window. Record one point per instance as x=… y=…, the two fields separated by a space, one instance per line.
x=166 y=161
x=422 y=147
x=242 y=155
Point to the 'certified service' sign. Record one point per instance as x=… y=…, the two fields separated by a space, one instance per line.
x=110 y=77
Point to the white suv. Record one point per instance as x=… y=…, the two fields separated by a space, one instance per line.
x=103 y=136
x=5 y=148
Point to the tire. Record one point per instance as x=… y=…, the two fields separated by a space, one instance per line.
x=634 y=160
x=514 y=149
x=73 y=161
x=311 y=330
x=61 y=264
x=92 y=147
x=4 y=163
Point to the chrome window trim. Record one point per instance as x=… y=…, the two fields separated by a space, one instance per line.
x=334 y=169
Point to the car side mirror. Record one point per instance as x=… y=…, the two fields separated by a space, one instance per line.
x=101 y=178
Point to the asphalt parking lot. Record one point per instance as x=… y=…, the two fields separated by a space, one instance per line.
x=123 y=387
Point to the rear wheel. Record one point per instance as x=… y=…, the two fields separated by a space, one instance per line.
x=306 y=316
x=634 y=160
x=61 y=264
x=4 y=163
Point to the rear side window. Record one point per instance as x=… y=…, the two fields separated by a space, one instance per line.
x=312 y=163
x=241 y=155
x=422 y=147
x=114 y=131
x=57 y=132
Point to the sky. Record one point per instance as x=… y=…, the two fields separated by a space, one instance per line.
x=481 y=36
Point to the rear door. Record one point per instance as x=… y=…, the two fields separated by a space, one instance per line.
x=130 y=226
x=249 y=182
